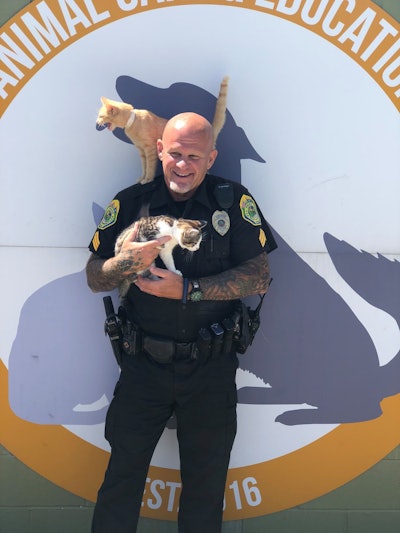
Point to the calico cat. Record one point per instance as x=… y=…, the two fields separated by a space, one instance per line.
x=187 y=233
x=144 y=128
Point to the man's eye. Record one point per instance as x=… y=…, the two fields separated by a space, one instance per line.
x=194 y=157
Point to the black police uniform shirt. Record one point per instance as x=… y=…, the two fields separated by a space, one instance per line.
x=231 y=236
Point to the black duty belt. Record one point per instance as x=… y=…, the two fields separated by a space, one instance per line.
x=211 y=342
x=165 y=350
x=235 y=333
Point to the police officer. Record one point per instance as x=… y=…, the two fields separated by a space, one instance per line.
x=178 y=364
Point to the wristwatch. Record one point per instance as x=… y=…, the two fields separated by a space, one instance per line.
x=195 y=294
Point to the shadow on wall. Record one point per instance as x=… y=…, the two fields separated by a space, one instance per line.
x=312 y=348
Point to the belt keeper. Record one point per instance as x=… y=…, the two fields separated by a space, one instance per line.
x=185 y=290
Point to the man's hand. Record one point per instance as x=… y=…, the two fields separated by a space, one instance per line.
x=169 y=284
x=106 y=274
x=137 y=256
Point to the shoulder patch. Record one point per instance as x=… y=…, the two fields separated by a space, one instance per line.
x=249 y=210
x=110 y=215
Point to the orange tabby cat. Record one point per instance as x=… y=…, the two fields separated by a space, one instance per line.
x=144 y=128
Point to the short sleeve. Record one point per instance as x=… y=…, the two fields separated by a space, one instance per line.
x=104 y=238
x=251 y=234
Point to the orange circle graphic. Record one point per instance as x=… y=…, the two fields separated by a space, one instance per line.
x=285 y=482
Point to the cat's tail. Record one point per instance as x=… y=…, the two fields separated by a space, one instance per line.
x=220 y=108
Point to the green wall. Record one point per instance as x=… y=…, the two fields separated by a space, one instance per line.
x=368 y=504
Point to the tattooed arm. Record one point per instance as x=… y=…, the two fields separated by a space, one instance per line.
x=246 y=279
x=107 y=274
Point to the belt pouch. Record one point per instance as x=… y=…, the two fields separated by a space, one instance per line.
x=160 y=349
x=203 y=344
x=229 y=326
x=217 y=339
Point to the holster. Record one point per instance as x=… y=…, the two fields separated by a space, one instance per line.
x=131 y=338
x=112 y=328
x=247 y=322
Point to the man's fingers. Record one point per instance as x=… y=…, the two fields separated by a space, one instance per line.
x=163 y=240
x=132 y=235
x=157 y=243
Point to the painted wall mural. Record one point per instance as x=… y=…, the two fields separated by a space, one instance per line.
x=312 y=130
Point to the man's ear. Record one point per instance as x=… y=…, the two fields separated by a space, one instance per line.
x=159 y=149
x=212 y=157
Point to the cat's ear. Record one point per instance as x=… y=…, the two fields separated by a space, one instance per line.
x=108 y=105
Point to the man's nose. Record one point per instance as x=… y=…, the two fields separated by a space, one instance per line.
x=181 y=163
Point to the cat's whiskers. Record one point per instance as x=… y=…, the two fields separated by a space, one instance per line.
x=204 y=235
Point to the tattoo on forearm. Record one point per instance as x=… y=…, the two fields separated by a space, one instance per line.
x=98 y=277
x=251 y=277
x=107 y=274
x=126 y=265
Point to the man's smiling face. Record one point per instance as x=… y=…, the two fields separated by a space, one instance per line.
x=186 y=151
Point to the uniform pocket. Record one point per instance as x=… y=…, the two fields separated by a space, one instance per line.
x=216 y=409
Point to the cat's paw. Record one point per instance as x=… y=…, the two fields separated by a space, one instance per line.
x=178 y=272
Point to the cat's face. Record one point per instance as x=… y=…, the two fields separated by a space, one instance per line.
x=113 y=114
x=190 y=233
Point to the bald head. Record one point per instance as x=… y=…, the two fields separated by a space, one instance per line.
x=190 y=125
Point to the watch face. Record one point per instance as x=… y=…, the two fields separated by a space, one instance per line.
x=196 y=296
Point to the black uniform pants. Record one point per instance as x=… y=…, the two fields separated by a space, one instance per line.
x=203 y=396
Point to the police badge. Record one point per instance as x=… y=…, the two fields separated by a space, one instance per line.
x=221 y=222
